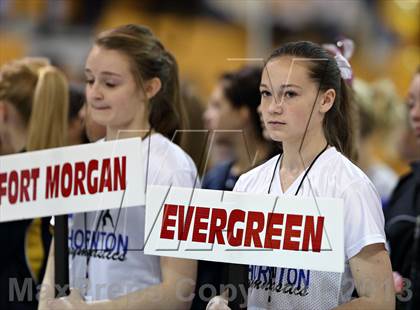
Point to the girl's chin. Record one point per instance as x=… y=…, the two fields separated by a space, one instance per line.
x=276 y=137
x=102 y=119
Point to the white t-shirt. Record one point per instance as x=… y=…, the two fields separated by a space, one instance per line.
x=118 y=265
x=334 y=176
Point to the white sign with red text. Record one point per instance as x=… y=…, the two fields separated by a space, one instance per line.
x=72 y=179
x=255 y=229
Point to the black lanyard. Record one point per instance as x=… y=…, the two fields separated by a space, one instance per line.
x=304 y=176
x=272 y=269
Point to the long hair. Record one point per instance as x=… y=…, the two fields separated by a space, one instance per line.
x=39 y=92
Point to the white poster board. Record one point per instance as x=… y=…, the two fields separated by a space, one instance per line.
x=255 y=229
x=72 y=179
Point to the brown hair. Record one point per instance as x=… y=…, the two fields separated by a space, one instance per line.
x=150 y=59
x=338 y=123
x=39 y=92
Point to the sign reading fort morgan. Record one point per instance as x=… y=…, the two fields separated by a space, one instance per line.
x=71 y=179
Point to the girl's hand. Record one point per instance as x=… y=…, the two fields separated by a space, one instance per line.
x=219 y=302
x=398 y=282
x=73 y=301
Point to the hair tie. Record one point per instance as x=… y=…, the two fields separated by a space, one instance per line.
x=346 y=71
x=342 y=52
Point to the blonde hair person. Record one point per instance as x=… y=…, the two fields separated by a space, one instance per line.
x=33 y=105
x=380 y=112
x=33 y=116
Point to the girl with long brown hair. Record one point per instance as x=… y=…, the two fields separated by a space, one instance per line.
x=305 y=106
x=132 y=88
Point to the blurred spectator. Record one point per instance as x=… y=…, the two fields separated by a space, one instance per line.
x=232 y=115
x=403 y=215
x=76 y=129
x=379 y=114
x=33 y=116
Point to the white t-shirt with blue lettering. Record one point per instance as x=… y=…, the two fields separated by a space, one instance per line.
x=334 y=176
x=114 y=239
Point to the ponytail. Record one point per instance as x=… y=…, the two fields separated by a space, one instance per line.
x=47 y=126
x=168 y=102
x=339 y=123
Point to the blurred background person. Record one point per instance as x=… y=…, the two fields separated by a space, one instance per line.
x=232 y=113
x=403 y=214
x=33 y=116
x=76 y=127
x=379 y=110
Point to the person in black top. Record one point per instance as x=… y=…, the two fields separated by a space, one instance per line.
x=403 y=215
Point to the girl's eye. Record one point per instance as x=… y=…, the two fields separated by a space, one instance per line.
x=89 y=81
x=110 y=85
x=410 y=103
x=290 y=94
x=265 y=93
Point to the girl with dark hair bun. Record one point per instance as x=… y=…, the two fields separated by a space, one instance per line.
x=305 y=106
x=233 y=113
x=131 y=88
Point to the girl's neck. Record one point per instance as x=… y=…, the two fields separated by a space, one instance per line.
x=139 y=126
x=119 y=133
x=296 y=157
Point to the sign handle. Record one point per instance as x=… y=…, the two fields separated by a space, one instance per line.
x=61 y=256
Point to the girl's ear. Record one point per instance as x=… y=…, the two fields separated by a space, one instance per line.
x=327 y=101
x=152 y=87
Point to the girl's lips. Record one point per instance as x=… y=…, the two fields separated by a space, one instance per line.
x=275 y=125
x=100 y=107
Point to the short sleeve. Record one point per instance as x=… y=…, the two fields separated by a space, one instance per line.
x=239 y=185
x=185 y=178
x=363 y=217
